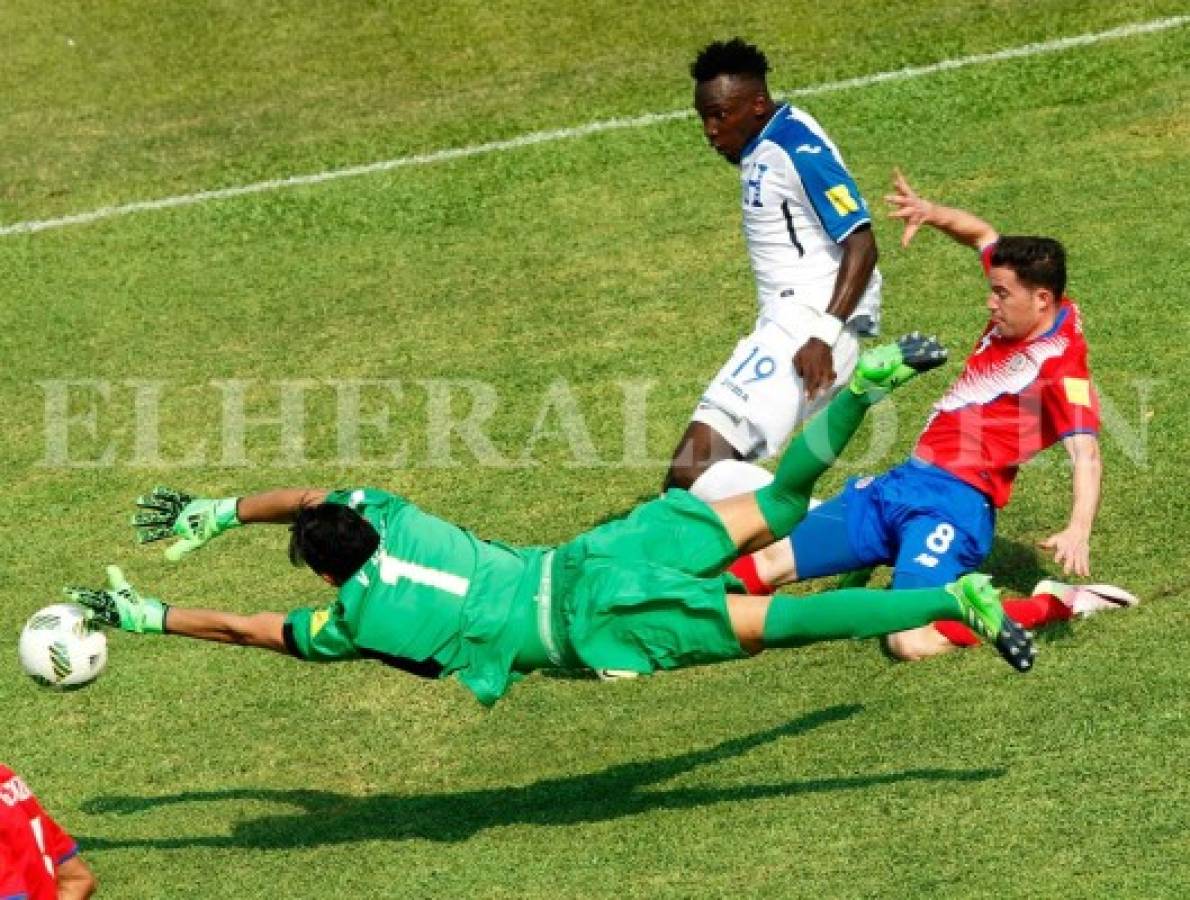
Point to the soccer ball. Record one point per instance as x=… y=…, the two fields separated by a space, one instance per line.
x=59 y=648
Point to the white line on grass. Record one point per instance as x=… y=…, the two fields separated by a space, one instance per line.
x=561 y=134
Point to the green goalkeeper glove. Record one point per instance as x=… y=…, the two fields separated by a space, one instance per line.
x=167 y=513
x=120 y=606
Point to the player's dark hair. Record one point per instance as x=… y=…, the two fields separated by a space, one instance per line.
x=332 y=539
x=734 y=57
x=1039 y=262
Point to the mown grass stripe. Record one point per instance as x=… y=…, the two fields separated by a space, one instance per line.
x=561 y=134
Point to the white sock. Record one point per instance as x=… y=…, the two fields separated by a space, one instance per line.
x=730 y=477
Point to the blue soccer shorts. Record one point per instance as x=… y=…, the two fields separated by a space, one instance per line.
x=928 y=525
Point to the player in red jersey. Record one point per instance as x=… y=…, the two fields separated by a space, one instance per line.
x=38 y=860
x=1025 y=386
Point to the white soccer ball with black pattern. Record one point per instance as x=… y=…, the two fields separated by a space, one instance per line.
x=59 y=648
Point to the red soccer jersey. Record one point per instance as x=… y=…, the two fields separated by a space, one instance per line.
x=1012 y=400
x=32 y=845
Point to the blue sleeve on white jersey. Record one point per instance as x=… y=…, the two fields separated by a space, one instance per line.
x=830 y=187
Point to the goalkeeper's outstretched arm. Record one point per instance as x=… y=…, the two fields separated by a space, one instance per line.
x=122 y=606
x=164 y=513
x=263 y=629
x=277 y=507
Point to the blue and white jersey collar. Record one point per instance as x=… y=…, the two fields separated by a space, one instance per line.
x=760 y=136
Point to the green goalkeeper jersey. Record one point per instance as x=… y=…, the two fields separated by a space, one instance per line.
x=434 y=600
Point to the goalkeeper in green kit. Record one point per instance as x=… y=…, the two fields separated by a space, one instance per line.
x=638 y=594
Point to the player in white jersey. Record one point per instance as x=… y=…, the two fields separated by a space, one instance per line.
x=813 y=255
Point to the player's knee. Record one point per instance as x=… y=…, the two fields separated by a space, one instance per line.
x=901 y=648
x=915 y=645
x=699 y=449
x=683 y=475
x=776 y=564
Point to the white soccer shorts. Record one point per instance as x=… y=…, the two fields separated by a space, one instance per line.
x=757 y=400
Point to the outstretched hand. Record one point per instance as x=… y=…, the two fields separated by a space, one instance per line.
x=907 y=206
x=158 y=513
x=1072 y=551
x=166 y=513
x=120 y=606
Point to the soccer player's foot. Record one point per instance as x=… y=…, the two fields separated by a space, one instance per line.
x=889 y=366
x=985 y=616
x=1087 y=599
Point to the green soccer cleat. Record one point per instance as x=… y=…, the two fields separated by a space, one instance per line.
x=985 y=616
x=884 y=368
x=120 y=606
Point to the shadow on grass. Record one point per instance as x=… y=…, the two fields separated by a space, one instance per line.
x=329 y=818
x=1015 y=566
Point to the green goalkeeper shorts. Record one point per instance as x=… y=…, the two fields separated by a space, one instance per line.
x=677 y=531
x=643 y=618
x=643 y=593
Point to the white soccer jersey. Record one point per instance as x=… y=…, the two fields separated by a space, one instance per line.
x=799 y=201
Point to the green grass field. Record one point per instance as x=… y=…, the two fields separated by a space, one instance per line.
x=554 y=288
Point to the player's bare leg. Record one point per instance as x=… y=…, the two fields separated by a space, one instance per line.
x=917 y=644
x=776 y=565
x=699 y=448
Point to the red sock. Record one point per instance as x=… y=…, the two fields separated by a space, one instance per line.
x=744 y=569
x=1032 y=612
x=1038 y=610
x=957 y=633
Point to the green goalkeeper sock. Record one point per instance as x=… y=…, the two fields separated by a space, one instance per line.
x=854 y=613
x=784 y=502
